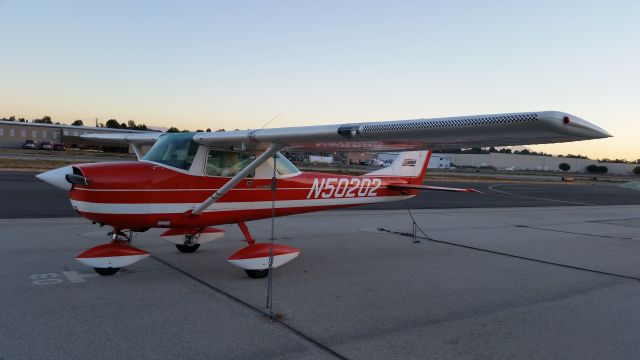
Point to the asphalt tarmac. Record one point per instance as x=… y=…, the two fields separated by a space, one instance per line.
x=24 y=196
x=523 y=271
x=558 y=282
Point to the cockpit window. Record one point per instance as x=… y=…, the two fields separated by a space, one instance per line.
x=227 y=163
x=176 y=150
x=284 y=166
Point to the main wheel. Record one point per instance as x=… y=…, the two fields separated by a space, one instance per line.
x=187 y=248
x=257 y=274
x=106 y=271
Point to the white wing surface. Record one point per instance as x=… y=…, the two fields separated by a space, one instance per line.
x=139 y=138
x=400 y=135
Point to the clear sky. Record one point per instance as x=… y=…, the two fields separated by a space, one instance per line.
x=237 y=64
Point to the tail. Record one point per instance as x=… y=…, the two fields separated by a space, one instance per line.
x=409 y=164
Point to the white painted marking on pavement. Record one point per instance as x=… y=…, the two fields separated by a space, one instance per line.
x=74 y=277
x=45 y=279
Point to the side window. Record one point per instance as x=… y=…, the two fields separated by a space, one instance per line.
x=227 y=163
x=284 y=166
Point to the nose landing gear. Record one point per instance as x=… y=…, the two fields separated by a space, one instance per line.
x=107 y=259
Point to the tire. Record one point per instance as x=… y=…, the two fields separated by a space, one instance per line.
x=257 y=274
x=106 y=271
x=187 y=248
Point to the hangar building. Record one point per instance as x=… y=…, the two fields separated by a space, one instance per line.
x=534 y=162
x=14 y=133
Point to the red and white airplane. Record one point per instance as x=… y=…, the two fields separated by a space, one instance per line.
x=189 y=182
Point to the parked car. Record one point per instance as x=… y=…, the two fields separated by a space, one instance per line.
x=29 y=144
x=59 y=147
x=46 y=145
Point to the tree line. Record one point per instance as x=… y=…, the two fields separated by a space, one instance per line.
x=44 y=120
x=111 y=124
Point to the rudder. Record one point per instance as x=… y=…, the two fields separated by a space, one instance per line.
x=411 y=164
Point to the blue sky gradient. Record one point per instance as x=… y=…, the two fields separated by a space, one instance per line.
x=237 y=64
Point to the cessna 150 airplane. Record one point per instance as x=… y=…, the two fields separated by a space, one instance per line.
x=189 y=182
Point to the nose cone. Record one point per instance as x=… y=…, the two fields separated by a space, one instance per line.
x=56 y=177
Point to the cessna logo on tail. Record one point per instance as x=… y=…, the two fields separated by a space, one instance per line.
x=409 y=162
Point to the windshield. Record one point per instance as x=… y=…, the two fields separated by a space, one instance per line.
x=176 y=150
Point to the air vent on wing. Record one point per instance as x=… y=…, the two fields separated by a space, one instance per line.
x=432 y=124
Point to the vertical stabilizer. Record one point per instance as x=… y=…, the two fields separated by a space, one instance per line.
x=411 y=164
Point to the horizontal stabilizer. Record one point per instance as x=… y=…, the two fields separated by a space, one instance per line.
x=431 y=188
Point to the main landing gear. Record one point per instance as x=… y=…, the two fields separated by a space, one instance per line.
x=188 y=240
x=107 y=259
x=187 y=247
x=254 y=258
x=257 y=274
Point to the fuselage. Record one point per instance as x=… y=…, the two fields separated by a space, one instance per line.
x=144 y=194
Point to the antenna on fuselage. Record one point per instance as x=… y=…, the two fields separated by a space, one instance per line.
x=269 y=122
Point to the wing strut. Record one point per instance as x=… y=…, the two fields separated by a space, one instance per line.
x=272 y=150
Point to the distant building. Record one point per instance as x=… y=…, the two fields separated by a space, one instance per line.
x=360 y=158
x=13 y=134
x=321 y=159
x=501 y=161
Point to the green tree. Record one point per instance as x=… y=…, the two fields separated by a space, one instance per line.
x=564 y=166
x=45 y=120
x=173 y=129
x=208 y=130
x=592 y=168
x=113 y=124
x=77 y=123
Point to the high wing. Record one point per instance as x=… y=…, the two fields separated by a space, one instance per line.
x=138 y=138
x=403 y=135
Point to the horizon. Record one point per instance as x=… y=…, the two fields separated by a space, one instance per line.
x=238 y=65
